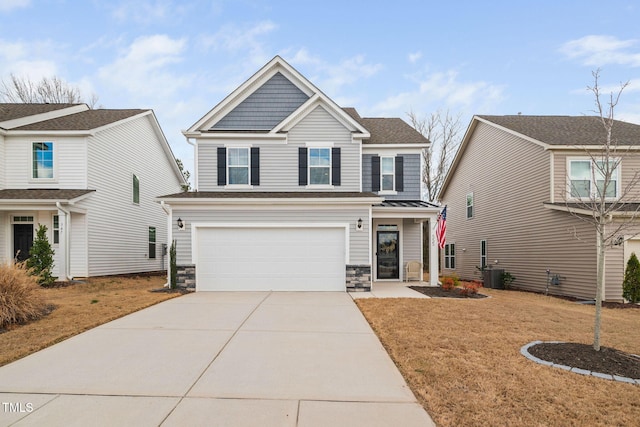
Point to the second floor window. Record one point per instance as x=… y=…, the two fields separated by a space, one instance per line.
x=319 y=166
x=586 y=179
x=387 y=173
x=42 y=160
x=238 y=164
x=470 y=205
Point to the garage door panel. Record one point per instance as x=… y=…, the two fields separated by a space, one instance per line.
x=271 y=259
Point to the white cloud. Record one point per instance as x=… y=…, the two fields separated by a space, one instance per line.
x=413 y=57
x=144 y=68
x=146 y=11
x=247 y=40
x=599 y=50
x=31 y=60
x=332 y=77
x=7 y=5
x=443 y=89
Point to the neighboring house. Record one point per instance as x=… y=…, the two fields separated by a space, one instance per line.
x=296 y=193
x=509 y=195
x=91 y=177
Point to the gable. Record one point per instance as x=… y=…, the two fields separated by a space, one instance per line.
x=267 y=106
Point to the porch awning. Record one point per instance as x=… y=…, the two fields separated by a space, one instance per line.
x=30 y=197
x=406 y=209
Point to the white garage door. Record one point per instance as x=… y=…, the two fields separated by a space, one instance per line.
x=279 y=259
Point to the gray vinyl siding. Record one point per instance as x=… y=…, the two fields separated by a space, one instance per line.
x=5 y=250
x=412 y=242
x=2 y=163
x=118 y=228
x=509 y=178
x=279 y=162
x=412 y=177
x=78 y=250
x=266 y=107
x=359 y=245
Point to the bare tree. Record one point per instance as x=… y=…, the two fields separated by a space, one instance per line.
x=443 y=130
x=52 y=90
x=185 y=173
x=609 y=213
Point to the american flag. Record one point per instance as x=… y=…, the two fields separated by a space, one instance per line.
x=441 y=228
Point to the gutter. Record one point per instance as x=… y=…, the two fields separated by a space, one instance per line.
x=167 y=209
x=67 y=252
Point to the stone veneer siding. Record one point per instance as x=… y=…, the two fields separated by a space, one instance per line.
x=358 y=278
x=187 y=277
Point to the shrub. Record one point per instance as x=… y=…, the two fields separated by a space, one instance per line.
x=20 y=295
x=40 y=260
x=507 y=279
x=631 y=283
x=470 y=288
x=449 y=282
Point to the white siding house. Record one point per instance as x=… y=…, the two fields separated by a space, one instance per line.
x=71 y=169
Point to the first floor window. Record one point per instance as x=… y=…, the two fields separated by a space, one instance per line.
x=387 y=173
x=152 y=242
x=238 y=164
x=42 y=160
x=470 y=205
x=587 y=179
x=56 y=229
x=483 y=253
x=319 y=166
x=450 y=255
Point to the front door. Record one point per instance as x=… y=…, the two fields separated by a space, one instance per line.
x=22 y=240
x=388 y=255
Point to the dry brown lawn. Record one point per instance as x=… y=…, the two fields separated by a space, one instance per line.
x=462 y=359
x=80 y=307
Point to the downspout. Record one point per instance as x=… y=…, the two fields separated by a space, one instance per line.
x=168 y=211
x=67 y=253
x=195 y=163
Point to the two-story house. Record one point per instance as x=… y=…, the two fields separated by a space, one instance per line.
x=91 y=177
x=512 y=196
x=297 y=193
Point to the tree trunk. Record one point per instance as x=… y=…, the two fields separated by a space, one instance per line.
x=599 y=288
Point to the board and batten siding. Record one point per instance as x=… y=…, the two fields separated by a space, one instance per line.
x=510 y=180
x=411 y=181
x=279 y=161
x=117 y=228
x=359 y=244
x=69 y=162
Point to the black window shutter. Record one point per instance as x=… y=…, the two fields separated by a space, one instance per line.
x=375 y=173
x=302 y=166
x=255 y=166
x=399 y=173
x=335 y=166
x=222 y=166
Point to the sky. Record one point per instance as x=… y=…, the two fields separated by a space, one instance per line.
x=385 y=58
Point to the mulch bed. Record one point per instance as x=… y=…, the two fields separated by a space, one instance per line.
x=606 y=361
x=438 y=292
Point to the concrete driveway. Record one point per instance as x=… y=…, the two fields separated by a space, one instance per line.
x=217 y=359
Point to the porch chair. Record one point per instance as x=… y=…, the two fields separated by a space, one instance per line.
x=413 y=271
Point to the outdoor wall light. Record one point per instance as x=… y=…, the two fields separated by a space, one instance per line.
x=359 y=226
x=180 y=224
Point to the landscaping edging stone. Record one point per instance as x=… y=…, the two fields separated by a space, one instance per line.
x=524 y=350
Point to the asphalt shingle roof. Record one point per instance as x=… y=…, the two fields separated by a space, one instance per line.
x=17 y=111
x=387 y=130
x=42 y=194
x=568 y=130
x=85 y=120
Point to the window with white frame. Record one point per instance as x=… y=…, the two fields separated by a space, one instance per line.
x=450 y=256
x=56 y=229
x=470 y=205
x=587 y=179
x=238 y=166
x=387 y=173
x=319 y=166
x=483 y=253
x=136 y=189
x=152 y=242
x=42 y=155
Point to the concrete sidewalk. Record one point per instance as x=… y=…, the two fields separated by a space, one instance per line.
x=223 y=358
